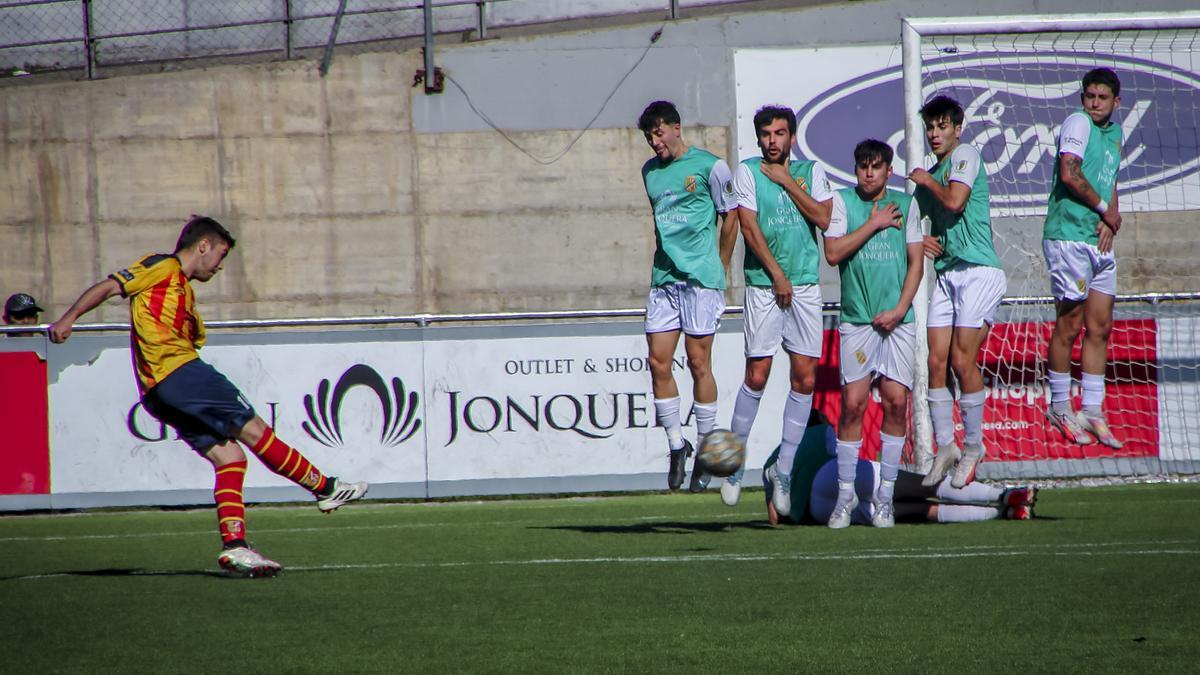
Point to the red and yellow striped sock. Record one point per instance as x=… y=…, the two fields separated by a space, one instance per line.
x=288 y=462
x=231 y=508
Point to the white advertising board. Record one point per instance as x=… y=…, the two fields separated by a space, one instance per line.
x=463 y=409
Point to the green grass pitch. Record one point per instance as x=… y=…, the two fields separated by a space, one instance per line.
x=1107 y=580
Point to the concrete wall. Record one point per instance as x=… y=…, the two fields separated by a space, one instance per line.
x=356 y=194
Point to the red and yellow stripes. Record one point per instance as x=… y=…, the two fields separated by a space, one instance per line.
x=231 y=507
x=288 y=462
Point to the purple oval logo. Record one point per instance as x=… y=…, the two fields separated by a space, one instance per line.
x=1015 y=104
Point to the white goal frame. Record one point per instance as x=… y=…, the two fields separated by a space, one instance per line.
x=912 y=30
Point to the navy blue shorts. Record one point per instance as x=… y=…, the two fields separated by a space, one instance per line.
x=201 y=404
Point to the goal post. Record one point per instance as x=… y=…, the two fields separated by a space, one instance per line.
x=1027 y=69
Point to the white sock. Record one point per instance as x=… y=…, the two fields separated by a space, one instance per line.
x=941 y=409
x=745 y=409
x=1060 y=391
x=1093 y=394
x=971 y=406
x=666 y=412
x=847 y=464
x=889 y=465
x=795 y=420
x=971 y=492
x=961 y=513
x=706 y=419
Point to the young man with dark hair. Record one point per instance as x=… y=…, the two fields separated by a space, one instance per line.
x=782 y=204
x=181 y=390
x=970 y=284
x=21 y=310
x=695 y=227
x=1077 y=240
x=875 y=239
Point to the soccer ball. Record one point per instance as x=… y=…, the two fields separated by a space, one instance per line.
x=722 y=453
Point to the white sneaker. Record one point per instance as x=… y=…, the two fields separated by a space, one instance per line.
x=947 y=458
x=1068 y=425
x=882 y=514
x=343 y=492
x=246 y=562
x=965 y=473
x=1097 y=426
x=731 y=488
x=781 y=490
x=842 y=511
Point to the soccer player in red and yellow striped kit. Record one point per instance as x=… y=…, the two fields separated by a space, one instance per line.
x=183 y=391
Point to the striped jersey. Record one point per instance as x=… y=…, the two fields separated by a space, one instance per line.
x=167 y=331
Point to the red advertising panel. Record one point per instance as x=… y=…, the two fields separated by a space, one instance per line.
x=1014 y=422
x=1015 y=426
x=24 y=425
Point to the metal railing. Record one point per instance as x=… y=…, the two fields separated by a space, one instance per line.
x=423 y=320
x=88 y=37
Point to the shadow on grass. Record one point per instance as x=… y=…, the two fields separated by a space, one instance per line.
x=129 y=572
x=661 y=527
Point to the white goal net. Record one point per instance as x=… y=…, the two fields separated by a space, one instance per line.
x=1017 y=81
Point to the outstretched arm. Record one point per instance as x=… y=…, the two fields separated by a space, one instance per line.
x=90 y=299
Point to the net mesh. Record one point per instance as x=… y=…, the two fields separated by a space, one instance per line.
x=1016 y=90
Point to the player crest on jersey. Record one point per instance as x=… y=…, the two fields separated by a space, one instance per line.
x=962 y=164
x=803 y=184
x=689 y=184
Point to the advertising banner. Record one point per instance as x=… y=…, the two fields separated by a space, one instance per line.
x=1015 y=103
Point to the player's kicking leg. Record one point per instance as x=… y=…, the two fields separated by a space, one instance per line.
x=331 y=492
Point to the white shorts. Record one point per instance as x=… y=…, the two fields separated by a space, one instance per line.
x=966 y=295
x=866 y=352
x=824 y=494
x=685 y=306
x=1077 y=268
x=799 y=327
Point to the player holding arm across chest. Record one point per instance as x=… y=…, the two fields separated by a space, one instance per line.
x=969 y=287
x=1082 y=218
x=782 y=205
x=695 y=228
x=875 y=239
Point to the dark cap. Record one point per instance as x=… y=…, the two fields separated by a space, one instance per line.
x=21 y=303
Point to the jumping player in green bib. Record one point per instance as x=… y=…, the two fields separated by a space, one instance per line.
x=1081 y=221
x=875 y=239
x=969 y=286
x=695 y=228
x=782 y=205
